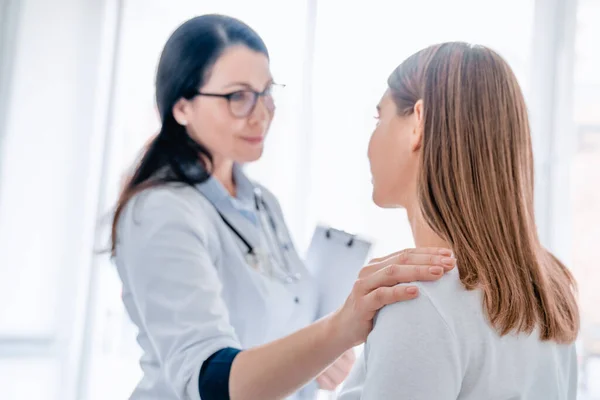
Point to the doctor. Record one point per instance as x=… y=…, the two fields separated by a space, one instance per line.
x=224 y=306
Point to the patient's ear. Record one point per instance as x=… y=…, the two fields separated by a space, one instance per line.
x=417 y=121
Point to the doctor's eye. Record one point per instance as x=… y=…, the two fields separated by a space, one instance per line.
x=242 y=96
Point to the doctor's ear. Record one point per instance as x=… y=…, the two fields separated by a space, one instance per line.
x=417 y=133
x=182 y=111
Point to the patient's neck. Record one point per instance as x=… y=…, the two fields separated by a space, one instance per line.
x=423 y=235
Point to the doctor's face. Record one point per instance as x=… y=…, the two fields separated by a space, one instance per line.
x=230 y=120
x=394 y=155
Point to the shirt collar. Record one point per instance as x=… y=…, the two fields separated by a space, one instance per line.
x=245 y=187
x=234 y=210
x=216 y=193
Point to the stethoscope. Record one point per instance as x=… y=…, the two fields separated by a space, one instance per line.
x=256 y=258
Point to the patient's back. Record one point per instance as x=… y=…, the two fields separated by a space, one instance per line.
x=442 y=346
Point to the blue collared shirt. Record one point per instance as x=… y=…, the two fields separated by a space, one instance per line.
x=243 y=202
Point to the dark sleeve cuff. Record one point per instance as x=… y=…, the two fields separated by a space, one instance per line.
x=214 y=375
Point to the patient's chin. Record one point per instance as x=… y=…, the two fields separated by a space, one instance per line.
x=383 y=200
x=380 y=200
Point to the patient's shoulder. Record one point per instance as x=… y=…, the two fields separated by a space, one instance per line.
x=411 y=340
x=443 y=303
x=420 y=312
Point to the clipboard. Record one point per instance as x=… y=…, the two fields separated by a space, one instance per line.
x=334 y=258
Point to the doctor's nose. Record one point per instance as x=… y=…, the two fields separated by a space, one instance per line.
x=262 y=113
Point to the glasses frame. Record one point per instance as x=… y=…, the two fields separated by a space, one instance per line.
x=255 y=96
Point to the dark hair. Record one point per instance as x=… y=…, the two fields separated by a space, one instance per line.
x=185 y=65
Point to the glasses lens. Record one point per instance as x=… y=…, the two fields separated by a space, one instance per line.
x=273 y=96
x=242 y=103
x=269 y=101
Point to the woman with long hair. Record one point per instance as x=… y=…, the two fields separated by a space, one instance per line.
x=453 y=148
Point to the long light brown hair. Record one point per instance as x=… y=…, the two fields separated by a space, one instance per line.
x=476 y=187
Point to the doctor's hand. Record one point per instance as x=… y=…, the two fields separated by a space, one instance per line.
x=337 y=372
x=385 y=281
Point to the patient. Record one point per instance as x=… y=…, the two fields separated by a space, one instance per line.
x=453 y=147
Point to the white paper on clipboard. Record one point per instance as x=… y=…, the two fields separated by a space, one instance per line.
x=335 y=258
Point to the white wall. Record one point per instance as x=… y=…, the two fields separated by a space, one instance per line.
x=51 y=154
x=352 y=63
x=551 y=118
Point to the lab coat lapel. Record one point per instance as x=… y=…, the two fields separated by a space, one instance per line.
x=220 y=199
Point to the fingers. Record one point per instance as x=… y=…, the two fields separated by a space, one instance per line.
x=384 y=296
x=325 y=383
x=336 y=374
x=349 y=356
x=378 y=282
x=426 y=257
x=333 y=376
x=419 y=250
x=394 y=274
x=421 y=259
x=344 y=364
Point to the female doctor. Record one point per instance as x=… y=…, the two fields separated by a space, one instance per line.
x=224 y=306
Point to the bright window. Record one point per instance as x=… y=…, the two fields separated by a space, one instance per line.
x=585 y=191
x=355 y=52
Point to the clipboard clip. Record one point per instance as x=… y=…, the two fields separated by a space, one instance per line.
x=350 y=241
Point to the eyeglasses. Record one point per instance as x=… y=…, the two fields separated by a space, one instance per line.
x=243 y=102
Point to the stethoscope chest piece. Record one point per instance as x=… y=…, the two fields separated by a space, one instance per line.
x=260 y=260
x=253 y=261
x=256 y=259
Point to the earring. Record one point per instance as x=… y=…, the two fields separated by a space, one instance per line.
x=183 y=123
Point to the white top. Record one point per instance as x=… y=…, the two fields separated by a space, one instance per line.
x=188 y=288
x=440 y=346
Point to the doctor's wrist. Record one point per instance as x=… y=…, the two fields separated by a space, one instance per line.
x=336 y=333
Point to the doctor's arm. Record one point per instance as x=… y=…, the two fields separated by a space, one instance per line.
x=289 y=363
x=176 y=291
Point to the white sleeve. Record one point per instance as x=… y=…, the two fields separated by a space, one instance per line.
x=411 y=354
x=174 y=287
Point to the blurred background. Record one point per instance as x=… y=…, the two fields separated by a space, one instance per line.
x=76 y=105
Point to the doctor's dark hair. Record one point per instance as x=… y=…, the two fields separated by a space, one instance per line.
x=184 y=67
x=476 y=188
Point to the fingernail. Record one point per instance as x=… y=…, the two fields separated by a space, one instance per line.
x=448 y=261
x=412 y=290
x=446 y=252
x=436 y=270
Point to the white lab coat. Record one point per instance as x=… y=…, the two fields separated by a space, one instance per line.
x=189 y=290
